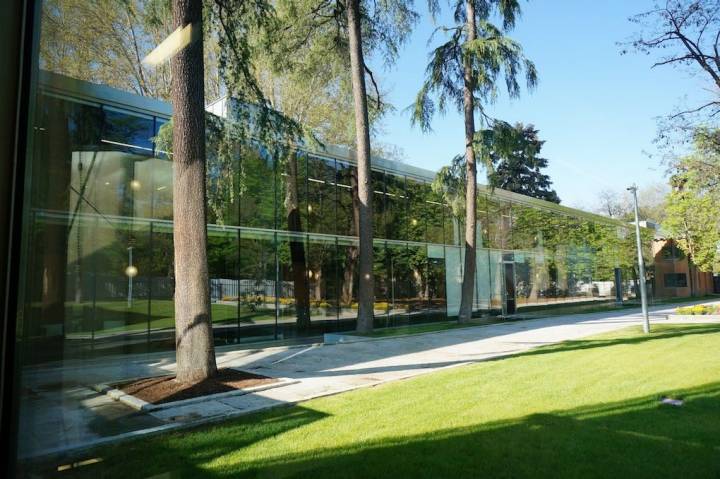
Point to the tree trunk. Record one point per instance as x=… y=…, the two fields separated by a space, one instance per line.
x=366 y=285
x=301 y=288
x=468 y=284
x=193 y=324
x=54 y=238
x=691 y=278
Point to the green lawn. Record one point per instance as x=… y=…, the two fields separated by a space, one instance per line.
x=586 y=408
x=115 y=316
x=555 y=309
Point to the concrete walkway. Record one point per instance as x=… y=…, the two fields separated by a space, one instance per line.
x=70 y=416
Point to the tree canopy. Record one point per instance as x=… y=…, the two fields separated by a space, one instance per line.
x=492 y=55
x=512 y=156
x=693 y=207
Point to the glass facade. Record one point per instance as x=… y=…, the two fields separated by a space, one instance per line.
x=282 y=242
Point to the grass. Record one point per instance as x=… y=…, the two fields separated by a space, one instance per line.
x=600 y=307
x=585 y=408
x=162 y=315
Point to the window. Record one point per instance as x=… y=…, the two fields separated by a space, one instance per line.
x=675 y=280
x=670 y=252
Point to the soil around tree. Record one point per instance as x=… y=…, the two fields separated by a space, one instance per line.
x=165 y=389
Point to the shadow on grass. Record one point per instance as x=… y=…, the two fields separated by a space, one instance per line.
x=162 y=458
x=633 y=438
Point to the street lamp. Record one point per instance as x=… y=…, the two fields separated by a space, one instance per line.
x=641 y=263
x=131 y=271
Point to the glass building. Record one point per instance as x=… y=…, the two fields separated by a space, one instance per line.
x=282 y=237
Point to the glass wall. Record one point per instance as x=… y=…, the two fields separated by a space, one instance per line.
x=281 y=249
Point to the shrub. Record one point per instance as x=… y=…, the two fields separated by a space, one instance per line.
x=698 y=310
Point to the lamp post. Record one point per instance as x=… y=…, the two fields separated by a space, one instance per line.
x=641 y=263
x=131 y=271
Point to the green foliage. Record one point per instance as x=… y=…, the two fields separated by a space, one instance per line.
x=512 y=156
x=449 y=184
x=693 y=207
x=491 y=55
x=699 y=309
x=305 y=69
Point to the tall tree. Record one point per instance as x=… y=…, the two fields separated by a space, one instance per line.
x=464 y=72
x=306 y=76
x=358 y=28
x=193 y=323
x=612 y=204
x=619 y=204
x=366 y=287
x=686 y=33
x=512 y=155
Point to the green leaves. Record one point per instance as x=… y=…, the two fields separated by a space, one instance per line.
x=449 y=184
x=693 y=207
x=492 y=55
x=512 y=156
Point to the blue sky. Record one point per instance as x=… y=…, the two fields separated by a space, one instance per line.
x=595 y=108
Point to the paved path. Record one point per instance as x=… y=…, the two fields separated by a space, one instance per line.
x=79 y=417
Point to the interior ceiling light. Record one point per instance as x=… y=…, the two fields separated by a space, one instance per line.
x=175 y=42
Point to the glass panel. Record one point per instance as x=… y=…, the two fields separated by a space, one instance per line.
x=162 y=286
x=257 y=188
x=381 y=271
x=294 y=298
x=257 y=286
x=322 y=199
x=347 y=258
x=483 y=291
x=434 y=211
x=420 y=212
x=123 y=131
x=453 y=226
x=323 y=276
x=453 y=278
x=499 y=224
x=400 y=283
x=418 y=286
x=224 y=283
x=396 y=214
x=437 y=302
x=347 y=218
x=379 y=205
x=496 y=280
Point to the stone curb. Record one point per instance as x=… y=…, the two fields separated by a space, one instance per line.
x=144 y=406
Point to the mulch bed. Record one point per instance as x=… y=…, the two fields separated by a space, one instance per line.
x=164 y=389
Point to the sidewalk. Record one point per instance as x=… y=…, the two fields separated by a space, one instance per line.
x=77 y=417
